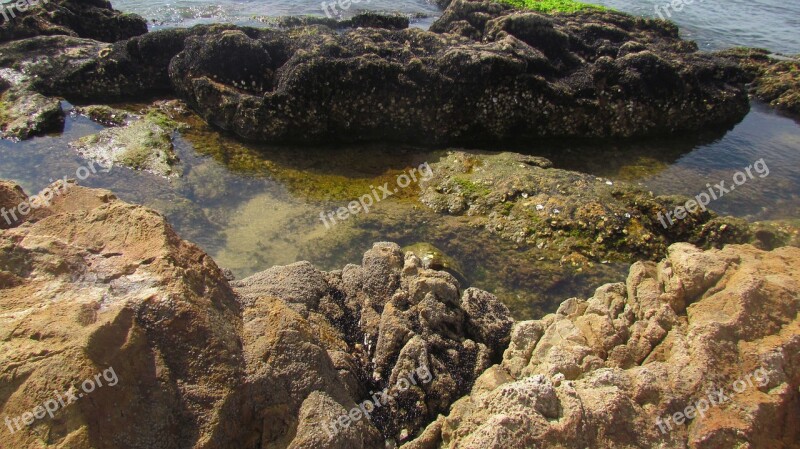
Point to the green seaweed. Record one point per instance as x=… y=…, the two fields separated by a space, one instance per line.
x=551 y=6
x=470 y=188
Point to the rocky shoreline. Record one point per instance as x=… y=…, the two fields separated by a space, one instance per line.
x=611 y=74
x=90 y=283
x=269 y=361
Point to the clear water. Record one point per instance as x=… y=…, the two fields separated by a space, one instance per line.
x=253 y=13
x=719 y=24
x=255 y=206
x=714 y=24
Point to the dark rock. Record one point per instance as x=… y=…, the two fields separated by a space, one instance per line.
x=507 y=75
x=377 y=20
x=775 y=78
x=92 y=19
x=367 y=19
x=514 y=76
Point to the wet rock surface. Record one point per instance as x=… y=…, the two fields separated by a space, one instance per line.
x=776 y=79
x=143 y=143
x=523 y=199
x=486 y=72
x=267 y=363
x=92 y=19
x=24 y=114
x=601 y=372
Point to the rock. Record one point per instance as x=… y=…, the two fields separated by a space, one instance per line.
x=400 y=85
x=24 y=114
x=143 y=144
x=614 y=370
x=11 y=195
x=92 y=19
x=502 y=75
x=105 y=115
x=86 y=296
x=776 y=79
x=580 y=217
x=369 y=19
x=396 y=316
x=435 y=259
x=366 y=19
x=92 y=285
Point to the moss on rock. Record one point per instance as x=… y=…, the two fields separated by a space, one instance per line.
x=553 y=6
x=143 y=144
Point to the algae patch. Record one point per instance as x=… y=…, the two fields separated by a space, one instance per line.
x=552 y=6
x=143 y=144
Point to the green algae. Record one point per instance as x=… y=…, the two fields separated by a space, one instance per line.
x=141 y=145
x=469 y=188
x=554 y=6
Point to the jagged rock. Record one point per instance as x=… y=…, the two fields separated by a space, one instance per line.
x=92 y=19
x=393 y=316
x=91 y=283
x=600 y=372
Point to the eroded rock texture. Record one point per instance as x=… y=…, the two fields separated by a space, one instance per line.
x=486 y=72
x=91 y=282
x=523 y=199
x=600 y=372
x=92 y=19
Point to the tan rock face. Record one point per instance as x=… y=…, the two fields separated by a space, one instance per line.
x=95 y=283
x=715 y=331
x=91 y=286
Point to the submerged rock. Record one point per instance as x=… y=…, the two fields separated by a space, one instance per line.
x=522 y=200
x=105 y=115
x=143 y=144
x=698 y=351
x=435 y=259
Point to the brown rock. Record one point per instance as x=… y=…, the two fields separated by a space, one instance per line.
x=600 y=372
